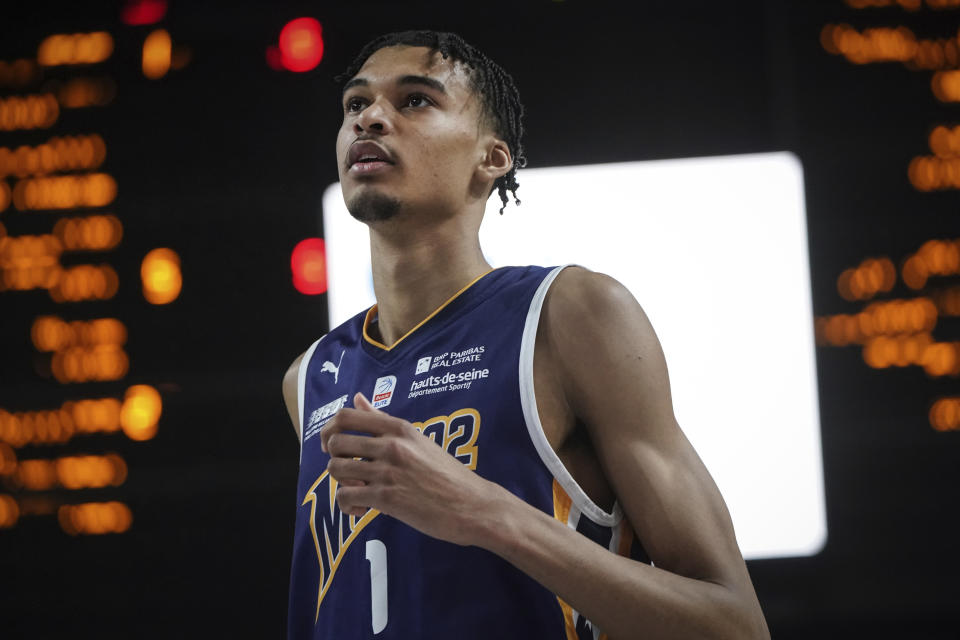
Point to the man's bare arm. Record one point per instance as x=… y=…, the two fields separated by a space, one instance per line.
x=290 y=392
x=614 y=376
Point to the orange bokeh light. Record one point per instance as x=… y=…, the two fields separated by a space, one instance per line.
x=157 y=52
x=85 y=282
x=64 y=192
x=77 y=93
x=945 y=414
x=8 y=459
x=874 y=275
x=9 y=511
x=91 y=233
x=51 y=333
x=886 y=318
x=56 y=426
x=66 y=153
x=28 y=112
x=77 y=48
x=18 y=73
x=140 y=412
x=945 y=142
x=95 y=518
x=946 y=85
x=90 y=363
x=160 y=275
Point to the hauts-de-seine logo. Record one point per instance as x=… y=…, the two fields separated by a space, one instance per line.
x=383 y=391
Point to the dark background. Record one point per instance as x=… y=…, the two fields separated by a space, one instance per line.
x=225 y=161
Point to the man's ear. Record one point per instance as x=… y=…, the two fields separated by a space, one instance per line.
x=497 y=160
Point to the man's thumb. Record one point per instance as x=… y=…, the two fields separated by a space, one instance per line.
x=360 y=402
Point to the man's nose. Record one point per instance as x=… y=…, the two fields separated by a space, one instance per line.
x=374 y=118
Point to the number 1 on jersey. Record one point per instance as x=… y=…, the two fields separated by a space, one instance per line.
x=377 y=556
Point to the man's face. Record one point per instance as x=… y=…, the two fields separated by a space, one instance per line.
x=411 y=135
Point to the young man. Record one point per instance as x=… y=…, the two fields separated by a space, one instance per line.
x=563 y=500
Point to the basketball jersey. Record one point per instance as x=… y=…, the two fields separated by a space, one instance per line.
x=464 y=378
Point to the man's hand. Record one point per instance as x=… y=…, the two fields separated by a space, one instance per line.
x=393 y=468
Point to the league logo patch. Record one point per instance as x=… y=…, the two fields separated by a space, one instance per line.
x=423 y=365
x=383 y=391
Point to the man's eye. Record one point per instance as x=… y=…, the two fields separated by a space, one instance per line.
x=353 y=105
x=417 y=100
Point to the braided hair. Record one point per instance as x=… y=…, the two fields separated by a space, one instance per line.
x=499 y=98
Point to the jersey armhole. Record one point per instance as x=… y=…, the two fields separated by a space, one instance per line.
x=302 y=386
x=528 y=402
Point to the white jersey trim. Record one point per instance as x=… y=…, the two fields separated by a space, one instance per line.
x=302 y=386
x=528 y=402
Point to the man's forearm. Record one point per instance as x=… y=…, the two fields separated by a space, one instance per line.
x=623 y=597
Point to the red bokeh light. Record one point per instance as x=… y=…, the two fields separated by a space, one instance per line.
x=308 y=262
x=301 y=44
x=137 y=12
x=273 y=58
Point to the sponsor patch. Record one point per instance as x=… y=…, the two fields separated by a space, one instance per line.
x=471 y=355
x=322 y=416
x=423 y=365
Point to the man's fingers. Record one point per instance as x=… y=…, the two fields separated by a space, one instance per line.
x=348 y=469
x=372 y=422
x=345 y=445
x=352 y=499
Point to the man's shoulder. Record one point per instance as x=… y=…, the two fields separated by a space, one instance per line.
x=578 y=293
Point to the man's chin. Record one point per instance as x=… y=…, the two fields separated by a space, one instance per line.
x=370 y=205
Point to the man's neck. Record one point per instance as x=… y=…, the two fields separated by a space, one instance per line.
x=417 y=269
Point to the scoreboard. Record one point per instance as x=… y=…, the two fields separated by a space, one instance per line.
x=75 y=396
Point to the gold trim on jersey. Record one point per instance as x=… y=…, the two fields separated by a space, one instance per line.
x=373 y=310
x=561 y=511
x=562 y=505
x=354 y=525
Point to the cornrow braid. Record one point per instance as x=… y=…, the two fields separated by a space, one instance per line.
x=500 y=100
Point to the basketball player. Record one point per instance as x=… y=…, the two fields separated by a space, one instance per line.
x=488 y=453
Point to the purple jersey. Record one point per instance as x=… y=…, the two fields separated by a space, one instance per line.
x=464 y=378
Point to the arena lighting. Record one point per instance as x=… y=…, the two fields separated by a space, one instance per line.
x=301 y=45
x=273 y=58
x=715 y=249
x=308 y=262
x=161 y=276
x=139 y=12
x=157 y=54
x=140 y=413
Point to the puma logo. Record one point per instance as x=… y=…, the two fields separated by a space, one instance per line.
x=329 y=367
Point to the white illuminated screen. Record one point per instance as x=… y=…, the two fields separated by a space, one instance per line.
x=715 y=250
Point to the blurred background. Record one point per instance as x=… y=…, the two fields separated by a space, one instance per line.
x=161 y=264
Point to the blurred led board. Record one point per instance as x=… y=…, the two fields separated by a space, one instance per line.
x=715 y=250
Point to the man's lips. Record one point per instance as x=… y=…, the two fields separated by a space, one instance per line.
x=367 y=152
x=369 y=167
